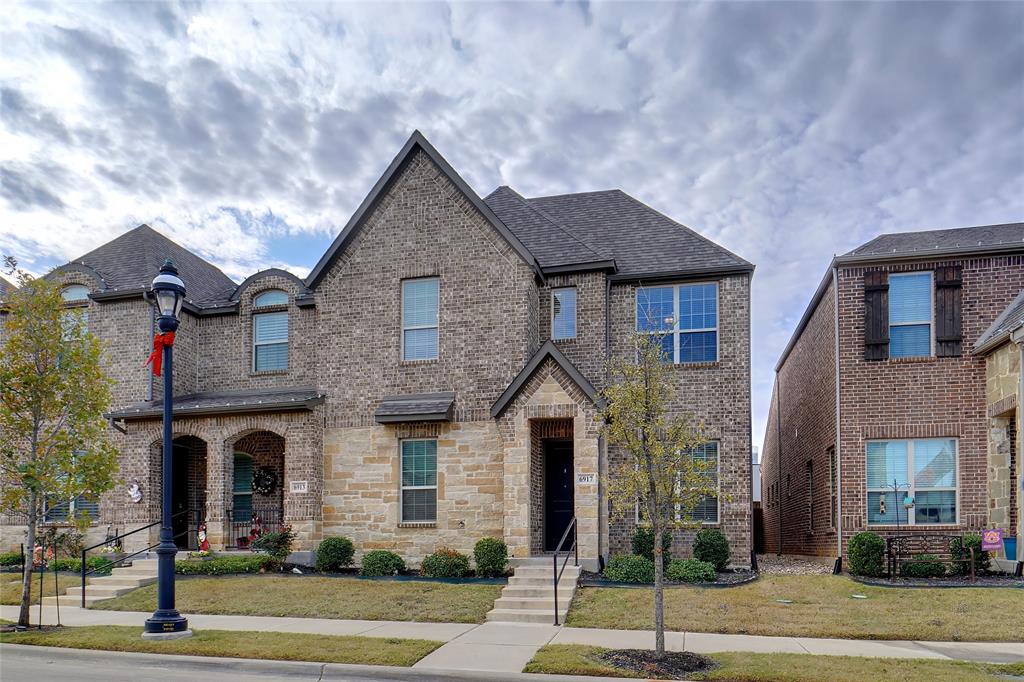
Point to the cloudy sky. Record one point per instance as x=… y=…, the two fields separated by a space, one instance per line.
x=787 y=132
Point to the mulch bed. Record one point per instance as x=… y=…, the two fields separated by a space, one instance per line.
x=673 y=665
x=998 y=580
x=722 y=579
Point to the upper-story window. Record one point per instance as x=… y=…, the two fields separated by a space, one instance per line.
x=563 y=313
x=419 y=318
x=687 y=317
x=910 y=315
x=75 y=293
x=270 y=332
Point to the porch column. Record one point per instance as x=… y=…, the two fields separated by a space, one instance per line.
x=219 y=470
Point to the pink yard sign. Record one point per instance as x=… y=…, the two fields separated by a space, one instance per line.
x=991 y=539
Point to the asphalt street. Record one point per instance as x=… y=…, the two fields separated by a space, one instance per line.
x=46 y=664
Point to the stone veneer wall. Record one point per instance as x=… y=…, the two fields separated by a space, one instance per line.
x=362 y=476
x=1002 y=371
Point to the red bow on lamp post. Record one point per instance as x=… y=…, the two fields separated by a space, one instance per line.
x=156 y=358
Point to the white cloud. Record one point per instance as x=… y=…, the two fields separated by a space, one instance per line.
x=786 y=131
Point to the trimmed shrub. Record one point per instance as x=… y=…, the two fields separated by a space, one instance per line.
x=226 y=565
x=381 y=562
x=691 y=571
x=866 y=554
x=491 y=557
x=277 y=543
x=102 y=564
x=960 y=550
x=334 y=554
x=10 y=559
x=630 y=568
x=711 y=546
x=445 y=563
x=643 y=543
x=929 y=567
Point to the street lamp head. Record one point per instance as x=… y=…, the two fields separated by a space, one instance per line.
x=169 y=292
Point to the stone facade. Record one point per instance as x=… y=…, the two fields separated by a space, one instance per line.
x=338 y=470
x=931 y=397
x=1002 y=370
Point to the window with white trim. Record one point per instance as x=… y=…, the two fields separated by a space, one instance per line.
x=706 y=510
x=270 y=332
x=75 y=293
x=910 y=314
x=563 y=313
x=419 y=318
x=56 y=510
x=419 y=480
x=923 y=469
x=686 y=317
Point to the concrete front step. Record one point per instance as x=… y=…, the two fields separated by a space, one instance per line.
x=104 y=591
x=531 y=604
x=120 y=581
x=537 y=592
x=546 y=570
x=523 y=616
x=518 y=581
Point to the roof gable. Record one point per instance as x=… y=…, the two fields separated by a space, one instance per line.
x=930 y=243
x=546 y=351
x=1008 y=320
x=128 y=264
x=415 y=143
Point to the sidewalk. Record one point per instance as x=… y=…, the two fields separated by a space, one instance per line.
x=508 y=647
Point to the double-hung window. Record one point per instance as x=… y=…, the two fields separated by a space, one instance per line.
x=419 y=318
x=706 y=510
x=270 y=332
x=563 y=313
x=686 y=318
x=910 y=314
x=925 y=470
x=419 y=481
x=56 y=510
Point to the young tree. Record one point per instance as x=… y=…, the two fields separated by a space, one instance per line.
x=53 y=394
x=658 y=476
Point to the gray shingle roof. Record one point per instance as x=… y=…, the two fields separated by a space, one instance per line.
x=416 y=407
x=131 y=261
x=5 y=288
x=1008 y=320
x=226 y=402
x=979 y=238
x=616 y=226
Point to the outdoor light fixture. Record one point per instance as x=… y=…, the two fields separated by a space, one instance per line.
x=168 y=295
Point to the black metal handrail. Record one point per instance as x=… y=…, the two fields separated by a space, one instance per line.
x=557 y=573
x=122 y=559
x=245 y=525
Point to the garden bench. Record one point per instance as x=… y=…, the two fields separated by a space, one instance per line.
x=906 y=549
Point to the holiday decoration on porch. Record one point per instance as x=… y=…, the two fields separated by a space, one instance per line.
x=264 y=480
x=256 y=529
x=204 y=544
x=135 y=492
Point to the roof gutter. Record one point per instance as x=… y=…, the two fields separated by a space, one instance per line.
x=931 y=254
x=676 y=275
x=581 y=267
x=154 y=413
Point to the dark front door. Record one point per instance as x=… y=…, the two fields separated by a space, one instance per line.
x=179 y=495
x=558 y=491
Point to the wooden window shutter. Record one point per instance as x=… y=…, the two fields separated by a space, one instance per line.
x=948 y=327
x=876 y=315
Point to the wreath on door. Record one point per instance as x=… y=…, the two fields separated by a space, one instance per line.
x=264 y=480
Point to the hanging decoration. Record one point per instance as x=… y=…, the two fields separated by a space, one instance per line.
x=135 y=492
x=264 y=480
x=204 y=544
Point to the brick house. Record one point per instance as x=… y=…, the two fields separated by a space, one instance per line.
x=434 y=380
x=879 y=384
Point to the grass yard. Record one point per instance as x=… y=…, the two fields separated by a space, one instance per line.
x=278 y=646
x=10 y=586
x=822 y=607
x=576 y=659
x=269 y=595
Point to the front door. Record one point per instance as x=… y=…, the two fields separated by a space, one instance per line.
x=179 y=495
x=558 y=491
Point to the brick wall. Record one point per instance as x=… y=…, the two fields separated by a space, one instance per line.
x=587 y=351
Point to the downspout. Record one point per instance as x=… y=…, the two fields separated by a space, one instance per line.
x=838 y=568
x=778 y=429
x=750 y=426
x=1018 y=338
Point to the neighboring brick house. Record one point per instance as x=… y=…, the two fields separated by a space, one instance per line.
x=436 y=379
x=883 y=355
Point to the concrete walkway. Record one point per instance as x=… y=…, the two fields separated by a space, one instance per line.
x=508 y=647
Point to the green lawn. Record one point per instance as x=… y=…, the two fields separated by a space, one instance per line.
x=822 y=607
x=10 y=586
x=279 y=646
x=314 y=597
x=576 y=659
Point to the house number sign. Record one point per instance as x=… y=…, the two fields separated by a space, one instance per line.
x=300 y=486
x=585 y=479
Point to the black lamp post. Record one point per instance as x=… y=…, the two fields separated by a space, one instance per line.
x=169 y=295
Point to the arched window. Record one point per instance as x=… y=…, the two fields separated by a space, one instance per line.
x=270 y=333
x=242 y=488
x=271 y=297
x=75 y=293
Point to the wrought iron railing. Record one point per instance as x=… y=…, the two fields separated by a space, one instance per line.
x=245 y=525
x=574 y=549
